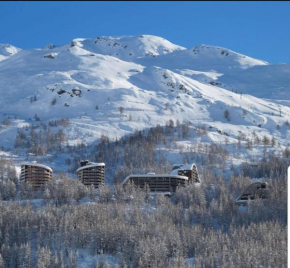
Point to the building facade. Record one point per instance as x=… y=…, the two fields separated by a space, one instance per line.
x=180 y=176
x=157 y=182
x=92 y=174
x=188 y=170
x=36 y=175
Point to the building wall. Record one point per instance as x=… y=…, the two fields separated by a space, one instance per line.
x=158 y=184
x=189 y=171
x=35 y=176
x=92 y=176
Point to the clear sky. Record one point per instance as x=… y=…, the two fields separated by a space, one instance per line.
x=257 y=29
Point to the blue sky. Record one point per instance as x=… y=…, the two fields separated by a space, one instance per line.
x=257 y=29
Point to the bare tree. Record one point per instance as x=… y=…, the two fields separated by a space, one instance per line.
x=121 y=109
x=227 y=115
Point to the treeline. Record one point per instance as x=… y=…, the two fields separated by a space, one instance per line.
x=42 y=138
x=201 y=224
x=272 y=166
x=145 y=151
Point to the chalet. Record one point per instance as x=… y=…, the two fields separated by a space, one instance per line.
x=35 y=174
x=91 y=173
x=256 y=190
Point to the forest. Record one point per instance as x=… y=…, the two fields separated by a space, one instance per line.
x=71 y=225
x=67 y=224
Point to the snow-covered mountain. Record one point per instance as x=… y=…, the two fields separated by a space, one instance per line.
x=115 y=85
x=7 y=51
x=203 y=58
x=128 y=48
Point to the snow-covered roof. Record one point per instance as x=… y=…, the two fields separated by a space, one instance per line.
x=177 y=167
x=90 y=165
x=155 y=176
x=36 y=165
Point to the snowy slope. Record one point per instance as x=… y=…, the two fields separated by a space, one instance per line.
x=128 y=48
x=69 y=76
x=203 y=58
x=269 y=81
x=89 y=80
x=228 y=69
x=7 y=51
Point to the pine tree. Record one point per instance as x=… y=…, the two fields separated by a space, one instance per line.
x=273 y=141
x=25 y=255
x=2 y=263
x=6 y=254
x=43 y=257
x=227 y=115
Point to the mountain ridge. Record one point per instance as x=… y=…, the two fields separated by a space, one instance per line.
x=7 y=50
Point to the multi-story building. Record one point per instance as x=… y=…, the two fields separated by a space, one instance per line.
x=91 y=173
x=35 y=174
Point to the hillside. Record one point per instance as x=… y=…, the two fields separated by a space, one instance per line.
x=203 y=58
x=268 y=81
